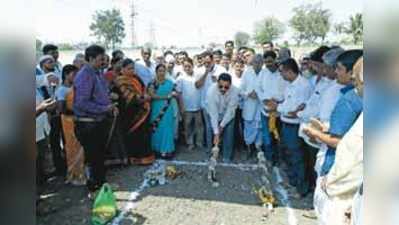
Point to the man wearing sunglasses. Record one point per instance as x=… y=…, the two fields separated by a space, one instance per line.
x=222 y=101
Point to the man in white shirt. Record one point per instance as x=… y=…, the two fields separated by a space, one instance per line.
x=236 y=73
x=170 y=68
x=251 y=108
x=314 y=105
x=42 y=132
x=319 y=84
x=46 y=67
x=248 y=56
x=190 y=100
x=330 y=96
x=226 y=61
x=47 y=82
x=50 y=49
x=229 y=47
x=272 y=88
x=295 y=96
x=222 y=100
x=180 y=57
x=146 y=60
x=217 y=56
x=206 y=77
x=268 y=46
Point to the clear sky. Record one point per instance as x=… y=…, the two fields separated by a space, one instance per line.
x=177 y=22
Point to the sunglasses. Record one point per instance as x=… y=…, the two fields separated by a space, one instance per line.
x=224 y=87
x=49 y=61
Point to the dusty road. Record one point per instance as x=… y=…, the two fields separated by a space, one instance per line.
x=187 y=200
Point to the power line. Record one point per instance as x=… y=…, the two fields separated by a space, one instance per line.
x=133 y=15
x=152 y=34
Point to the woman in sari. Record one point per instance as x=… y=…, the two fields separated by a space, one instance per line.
x=73 y=150
x=134 y=106
x=163 y=116
x=74 y=154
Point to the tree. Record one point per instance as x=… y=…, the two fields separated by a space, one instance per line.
x=241 y=39
x=108 y=27
x=268 y=29
x=340 y=28
x=310 y=22
x=39 y=44
x=355 y=27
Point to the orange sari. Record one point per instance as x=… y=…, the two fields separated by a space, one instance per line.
x=73 y=149
x=134 y=113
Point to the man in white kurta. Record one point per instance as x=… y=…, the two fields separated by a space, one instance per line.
x=330 y=96
x=318 y=103
x=222 y=101
x=207 y=76
x=344 y=178
x=251 y=110
x=236 y=73
x=271 y=90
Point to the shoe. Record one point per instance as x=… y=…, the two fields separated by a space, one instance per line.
x=226 y=161
x=249 y=152
x=311 y=214
x=191 y=147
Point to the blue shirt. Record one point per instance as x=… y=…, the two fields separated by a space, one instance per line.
x=344 y=115
x=144 y=73
x=91 y=96
x=62 y=92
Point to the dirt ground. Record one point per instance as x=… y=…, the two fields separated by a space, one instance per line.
x=187 y=200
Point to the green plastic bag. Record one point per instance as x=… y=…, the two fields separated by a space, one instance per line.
x=104 y=208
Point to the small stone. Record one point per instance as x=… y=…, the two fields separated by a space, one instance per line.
x=215 y=184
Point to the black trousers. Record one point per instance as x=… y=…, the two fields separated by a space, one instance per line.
x=310 y=155
x=93 y=137
x=58 y=153
x=41 y=148
x=239 y=142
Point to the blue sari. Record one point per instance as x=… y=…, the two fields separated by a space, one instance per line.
x=163 y=111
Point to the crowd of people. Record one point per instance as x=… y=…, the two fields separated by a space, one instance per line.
x=305 y=113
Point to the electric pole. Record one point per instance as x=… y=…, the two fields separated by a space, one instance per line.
x=152 y=34
x=133 y=15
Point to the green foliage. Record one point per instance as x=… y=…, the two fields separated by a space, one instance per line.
x=108 y=27
x=241 y=39
x=268 y=29
x=65 y=46
x=39 y=45
x=355 y=27
x=310 y=22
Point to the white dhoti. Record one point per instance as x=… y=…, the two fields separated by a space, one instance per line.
x=320 y=158
x=253 y=132
x=330 y=210
x=357 y=210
